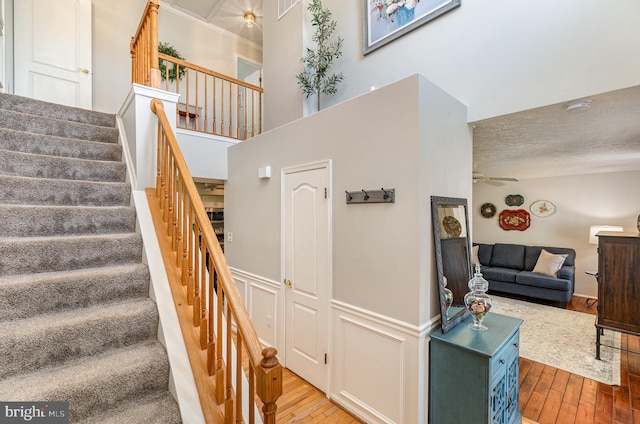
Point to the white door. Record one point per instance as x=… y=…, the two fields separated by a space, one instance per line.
x=307 y=273
x=53 y=51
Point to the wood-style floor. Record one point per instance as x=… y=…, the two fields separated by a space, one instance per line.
x=547 y=395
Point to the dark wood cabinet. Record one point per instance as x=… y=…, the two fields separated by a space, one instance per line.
x=618 y=283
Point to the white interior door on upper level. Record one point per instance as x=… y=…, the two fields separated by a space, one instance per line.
x=53 y=51
x=307 y=272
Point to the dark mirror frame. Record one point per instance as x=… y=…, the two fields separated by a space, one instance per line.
x=447 y=323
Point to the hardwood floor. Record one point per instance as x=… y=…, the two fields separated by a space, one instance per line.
x=547 y=395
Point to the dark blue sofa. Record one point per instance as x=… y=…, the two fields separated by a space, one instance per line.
x=508 y=269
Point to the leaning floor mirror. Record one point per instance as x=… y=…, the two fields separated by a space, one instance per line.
x=453 y=257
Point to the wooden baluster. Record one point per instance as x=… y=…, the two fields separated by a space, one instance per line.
x=214 y=349
x=222 y=107
x=205 y=324
x=187 y=266
x=230 y=110
x=194 y=261
x=260 y=113
x=252 y=390
x=219 y=359
x=195 y=108
x=215 y=116
x=180 y=198
x=239 y=375
x=158 y=159
x=228 y=404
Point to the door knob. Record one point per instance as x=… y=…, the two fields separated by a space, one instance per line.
x=288 y=283
x=84 y=71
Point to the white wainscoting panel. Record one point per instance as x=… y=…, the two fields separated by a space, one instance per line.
x=263 y=302
x=378 y=366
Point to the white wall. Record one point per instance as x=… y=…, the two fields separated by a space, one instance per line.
x=115 y=22
x=383 y=281
x=581 y=201
x=416 y=152
x=495 y=56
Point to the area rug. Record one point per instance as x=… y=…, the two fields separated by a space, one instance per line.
x=563 y=339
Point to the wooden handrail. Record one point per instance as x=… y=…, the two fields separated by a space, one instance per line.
x=212 y=102
x=210 y=287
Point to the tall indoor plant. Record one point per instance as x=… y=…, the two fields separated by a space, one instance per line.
x=315 y=79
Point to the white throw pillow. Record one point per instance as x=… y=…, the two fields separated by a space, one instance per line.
x=549 y=264
x=474 y=255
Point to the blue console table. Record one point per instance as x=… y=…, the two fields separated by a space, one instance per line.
x=473 y=375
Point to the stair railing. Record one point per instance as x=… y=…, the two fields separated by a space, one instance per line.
x=144 y=48
x=210 y=102
x=211 y=290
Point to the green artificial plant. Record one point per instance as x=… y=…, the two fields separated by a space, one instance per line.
x=315 y=79
x=169 y=50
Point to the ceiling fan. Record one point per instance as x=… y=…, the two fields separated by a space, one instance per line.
x=479 y=177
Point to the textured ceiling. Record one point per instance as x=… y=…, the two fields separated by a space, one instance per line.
x=225 y=14
x=550 y=141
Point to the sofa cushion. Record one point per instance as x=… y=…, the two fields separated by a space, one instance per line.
x=534 y=279
x=532 y=253
x=508 y=256
x=549 y=264
x=500 y=274
x=484 y=253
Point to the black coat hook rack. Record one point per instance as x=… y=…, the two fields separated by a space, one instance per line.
x=371 y=196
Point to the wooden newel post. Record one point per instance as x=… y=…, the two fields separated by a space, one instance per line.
x=269 y=379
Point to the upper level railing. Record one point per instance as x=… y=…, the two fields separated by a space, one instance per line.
x=217 y=307
x=210 y=102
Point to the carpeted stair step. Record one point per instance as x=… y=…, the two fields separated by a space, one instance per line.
x=51 y=340
x=43 y=166
x=61 y=128
x=26 y=296
x=154 y=409
x=42 y=191
x=26 y=142
x=94 y=384
x=53 y=110
x=19 y=255
x=38 y=220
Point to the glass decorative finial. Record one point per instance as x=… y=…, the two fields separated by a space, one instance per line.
x=476 y=301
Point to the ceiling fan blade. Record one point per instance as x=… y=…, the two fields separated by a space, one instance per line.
x=503 y=179
x=493 y=182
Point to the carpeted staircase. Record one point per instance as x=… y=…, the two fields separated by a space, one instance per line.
x=76 y=320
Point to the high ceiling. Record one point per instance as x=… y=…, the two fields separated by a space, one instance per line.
x=542 y=142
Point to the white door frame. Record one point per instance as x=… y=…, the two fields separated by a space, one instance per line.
x=326 y=164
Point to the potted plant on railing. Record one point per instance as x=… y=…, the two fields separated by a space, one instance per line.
x=174 y=70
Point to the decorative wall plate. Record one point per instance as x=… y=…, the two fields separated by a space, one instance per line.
x=514 y=200
x=517 y=219
x=452 y=226
x=542 y=208
x=488 y=210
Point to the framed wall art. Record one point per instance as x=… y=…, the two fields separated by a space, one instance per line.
x=385 y=20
